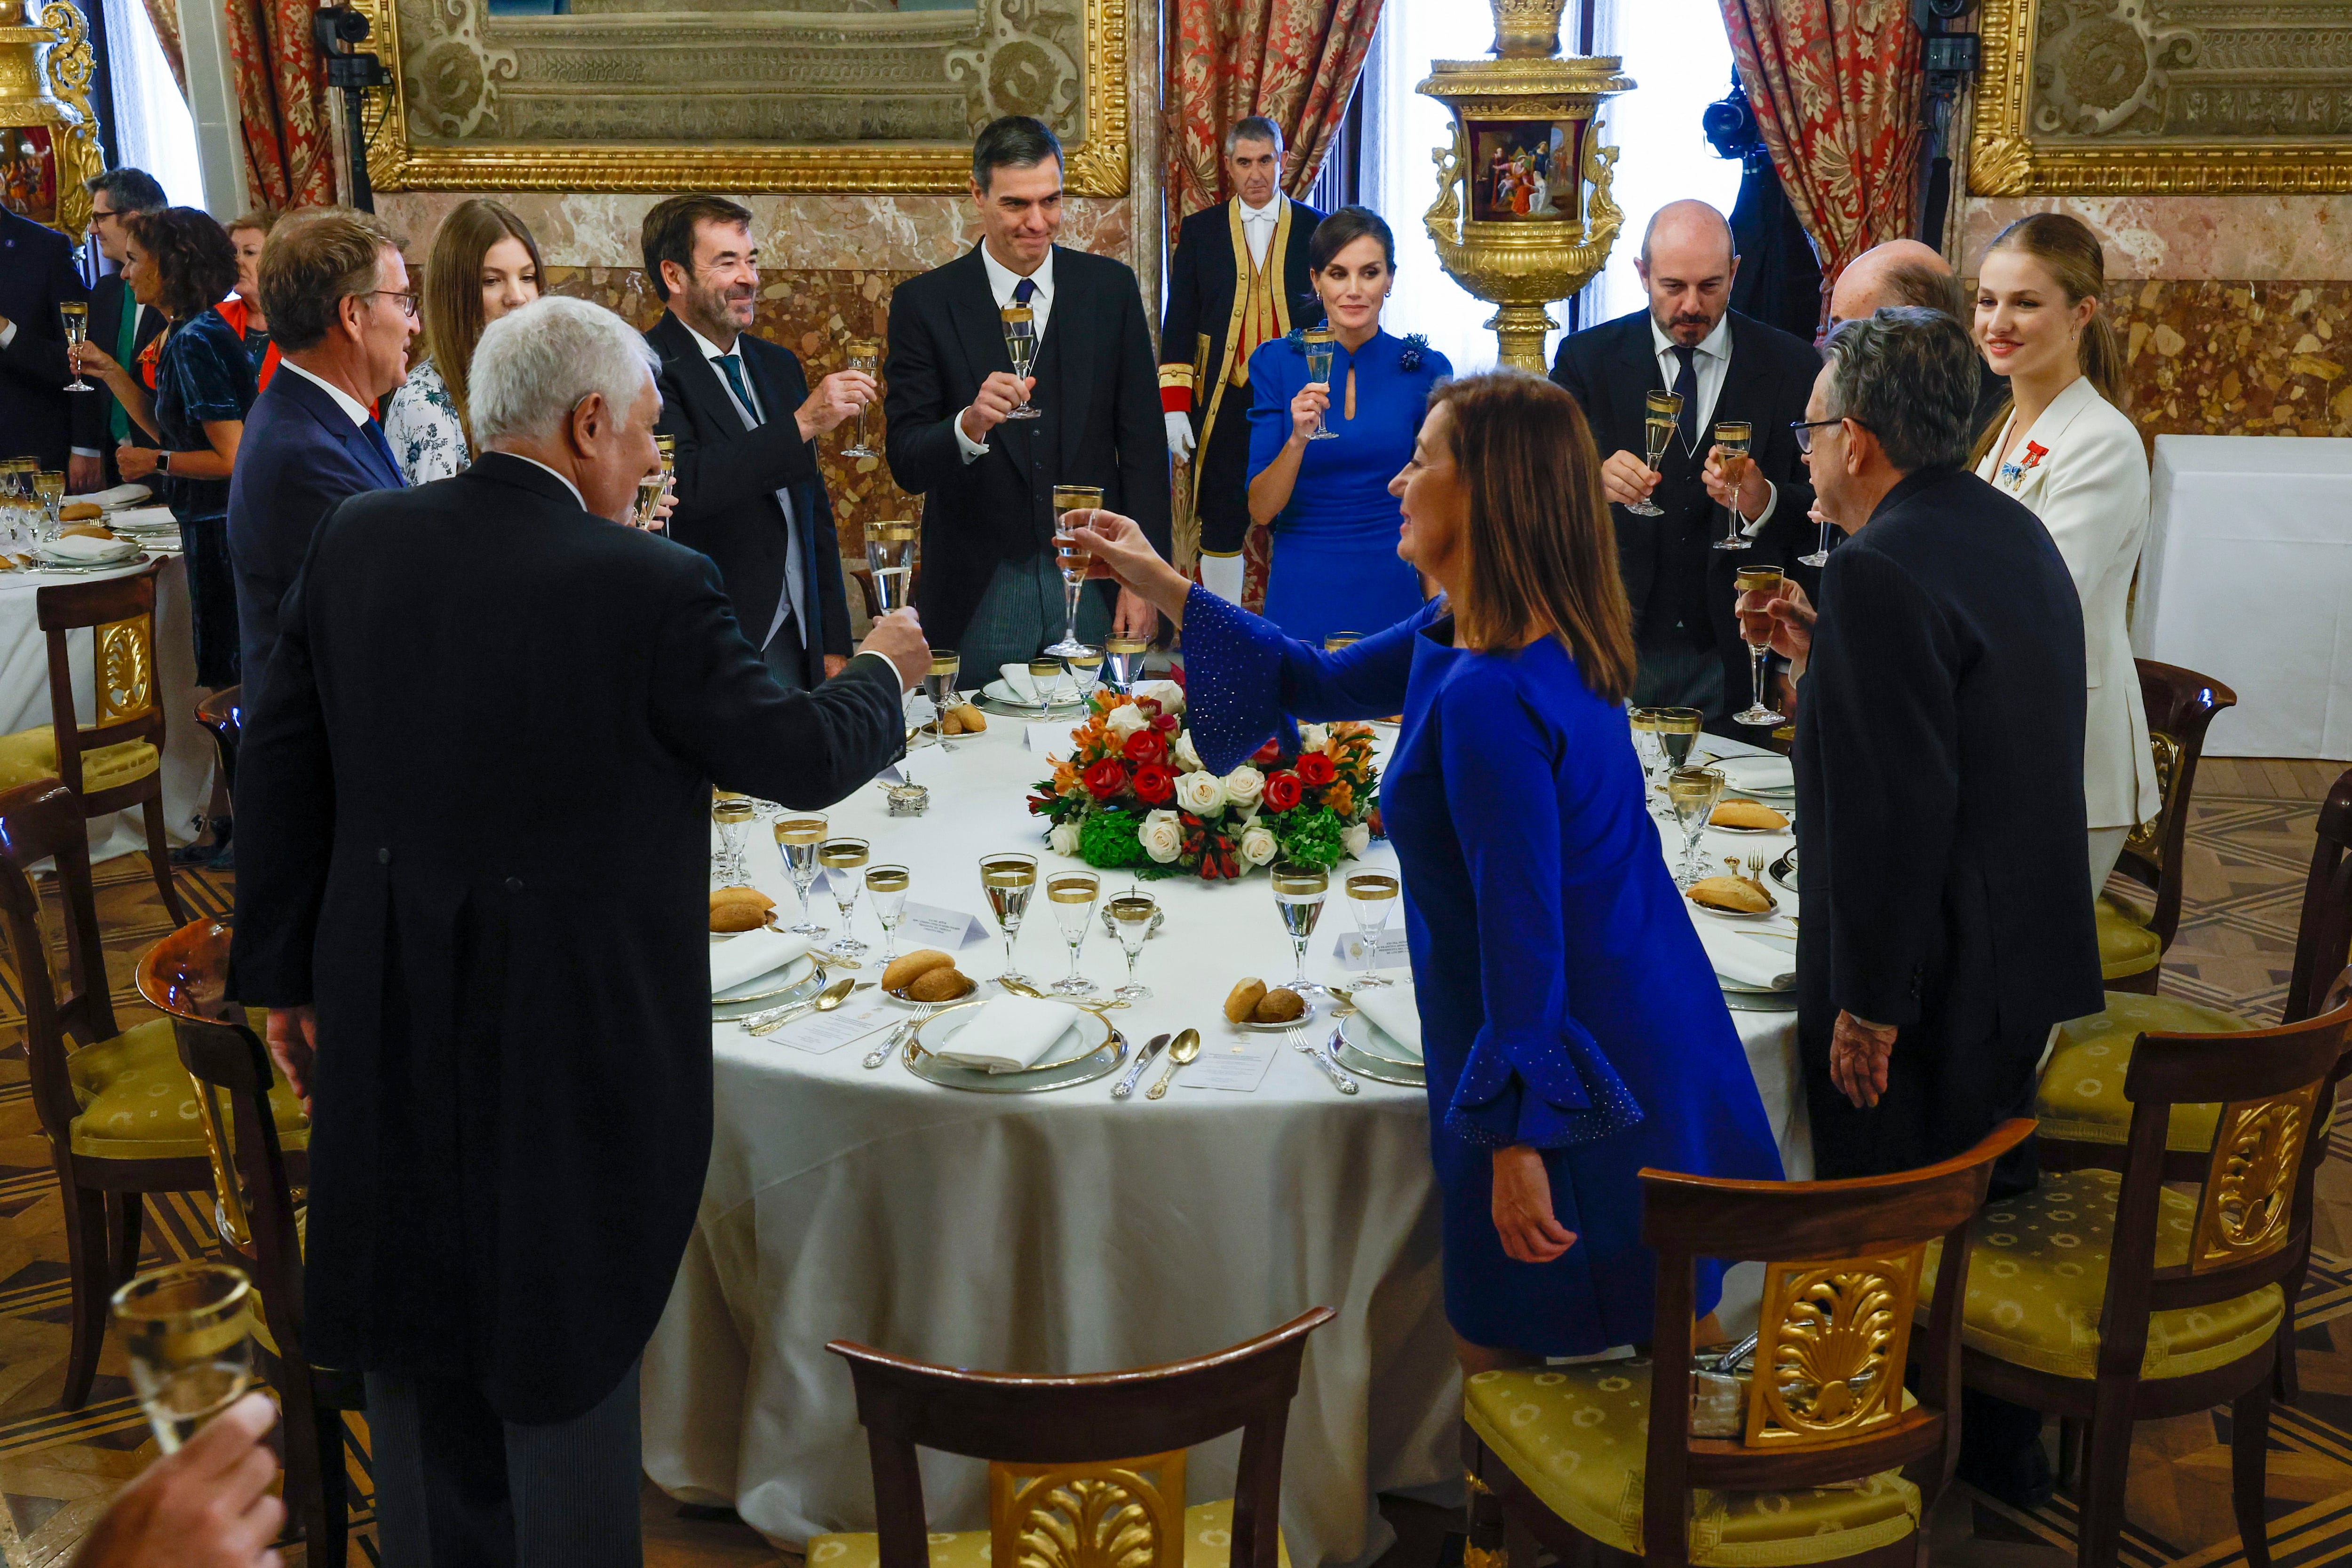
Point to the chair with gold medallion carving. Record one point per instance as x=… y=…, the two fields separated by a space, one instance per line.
x=116 y=762
x=1084 y=1472
x=2109 y=1299
x=2181 y=706
x=1829 y=1459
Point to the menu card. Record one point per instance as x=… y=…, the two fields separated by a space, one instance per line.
x=817 y=1033
x=1230 y=1064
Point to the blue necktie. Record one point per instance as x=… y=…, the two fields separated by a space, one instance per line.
x=1025 y=290
x=732 y=364
x=383 y=450
x=1687 y=388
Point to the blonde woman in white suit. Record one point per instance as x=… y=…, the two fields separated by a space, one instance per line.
x=2069 y=453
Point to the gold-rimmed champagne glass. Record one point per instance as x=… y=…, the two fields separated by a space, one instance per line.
x=885 y=889
x=1646 y=749
x=1008 y=880
x=842 y=860
x=797 y=839
x=1299 y=890
x=1086 y=668
x=1045 y=679
x=1073 y=559
x=187 y=1332
x=1660 y=418
x=1694 y=793
x=1334 y=641
x=1731 y=436
x=75 y=315
x=1131 y=914
x=733 y=814
x=1751 y=580
x=1021 y=347
x=1372 y=896
x=865 y=354
x=940 y=685
x=1677 y=734
x=1072 y=894
x=650 y=486
x=1320 y=346
x=49 y=485
x=1123 y=662
x=891 y=557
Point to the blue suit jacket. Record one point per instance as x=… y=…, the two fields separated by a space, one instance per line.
x=300 y=457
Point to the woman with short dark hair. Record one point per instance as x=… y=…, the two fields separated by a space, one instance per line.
x=1572 y=1029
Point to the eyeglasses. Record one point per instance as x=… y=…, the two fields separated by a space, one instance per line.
x=1802 y=429
x=407 y=301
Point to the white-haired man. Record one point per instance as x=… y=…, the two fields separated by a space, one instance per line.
x=471 y=893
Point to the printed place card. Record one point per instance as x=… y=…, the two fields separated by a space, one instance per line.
x=820 y=1032
x=1393 y=952
x=1228 y=1063
x=926 y=925
x=1043 y=738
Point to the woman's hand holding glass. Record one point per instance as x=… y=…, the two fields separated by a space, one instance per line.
x=1120 y=548
x=1306 y=409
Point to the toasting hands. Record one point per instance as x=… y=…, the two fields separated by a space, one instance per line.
x=1120 y=550
x=898 y=637
x=1523 y=1211
x=207 y=1506
x=836 y=397
x=1626 y=478
x=1858 y=1055
x=1784 y=617
x=999 y=395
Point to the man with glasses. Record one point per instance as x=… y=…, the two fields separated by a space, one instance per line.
x=118 y=324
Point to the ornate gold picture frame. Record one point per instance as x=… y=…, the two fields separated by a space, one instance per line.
x=2137 y=97
x=669 y=95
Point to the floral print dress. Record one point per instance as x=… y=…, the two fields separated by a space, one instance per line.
x=428 y=439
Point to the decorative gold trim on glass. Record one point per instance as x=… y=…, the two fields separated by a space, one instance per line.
x=1829 y=1355
x=2249 y=1194
x=1097 y=1515
x=126 y=669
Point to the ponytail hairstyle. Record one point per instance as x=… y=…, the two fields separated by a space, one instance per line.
x=2067 y=247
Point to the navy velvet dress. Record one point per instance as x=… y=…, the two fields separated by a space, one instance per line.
x=1565 y=1000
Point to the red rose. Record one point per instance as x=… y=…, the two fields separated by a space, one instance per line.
x=1154 y=783
x=1315 y=769
x=1282 y=791
x=1165 y=724
x=1104 y=779
x=1270 y=752
x=1146 y=746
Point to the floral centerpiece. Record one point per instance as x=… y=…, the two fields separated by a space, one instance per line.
x=1133 y=794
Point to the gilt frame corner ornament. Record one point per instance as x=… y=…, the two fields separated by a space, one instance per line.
x=472 y=54
x=2144 y=78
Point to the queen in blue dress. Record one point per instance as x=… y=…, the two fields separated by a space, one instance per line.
x=1334 y=522
x=1572 y=1028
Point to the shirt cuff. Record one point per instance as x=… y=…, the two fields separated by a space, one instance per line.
x=8 y=336
x=88 y=451
x=870 y=653
x=1754 y=526
x=972 y=450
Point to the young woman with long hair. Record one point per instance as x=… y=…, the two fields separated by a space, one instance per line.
x=484 y=264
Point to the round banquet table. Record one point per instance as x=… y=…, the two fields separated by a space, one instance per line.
x=1068 y=1232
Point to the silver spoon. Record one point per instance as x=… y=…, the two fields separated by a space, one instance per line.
x=1187 y=1047
x=824 y=1002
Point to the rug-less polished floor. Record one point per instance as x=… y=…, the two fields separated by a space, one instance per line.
x=2249 y=847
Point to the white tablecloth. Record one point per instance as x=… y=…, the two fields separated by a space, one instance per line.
x=188 y=752
x=2247 y=577
x=1067 y=1232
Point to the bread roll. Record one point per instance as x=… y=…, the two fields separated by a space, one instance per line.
x=974 y=722
x=904 y=968
x=1244 y=1000
x=944 y=984
x=1748 y=814
x=88 y=531
x=80 y=512
x=1279 y=1006
x=737 y=916
x=1734 y=893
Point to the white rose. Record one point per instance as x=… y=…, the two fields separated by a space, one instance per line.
x=1203 y=794
x=1124 y=720
x=1248 y=813
x=1356 y=840
x=1167 y=694
x=1311 y=736
x=1256 y=845
x=1187 y=760
x=1162 y=836
x=1243 y=785
x=1064 y=839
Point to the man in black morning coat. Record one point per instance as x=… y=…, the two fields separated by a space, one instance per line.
x=473 y=871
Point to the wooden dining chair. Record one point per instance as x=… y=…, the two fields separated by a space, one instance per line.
x=1084 y=1472
x=117 y=762
x=2107 y=1298
x=222 y=713
x=2182 y=706
x=1834 y=1462
x=185 y=977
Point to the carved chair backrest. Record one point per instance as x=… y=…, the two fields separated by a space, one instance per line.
x=43 y=822
x=120 y=613
x=2323 y=938
x=2182 y=706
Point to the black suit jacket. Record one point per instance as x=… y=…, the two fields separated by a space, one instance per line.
x=1940 y=821
x=728 y=477
x=1670 y=569
x=1097 y=394
x=93 y=409
x=37 y=275
x=479 y=806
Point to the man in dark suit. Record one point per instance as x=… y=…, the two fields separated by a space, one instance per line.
x=1239 y=278
x=989 y=588
x=496 y=1004
x=118 y=324
x=1727 y=367
x=750 y=496
x=37 y=276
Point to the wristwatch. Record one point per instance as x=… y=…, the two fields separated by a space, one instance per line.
x=162 y=463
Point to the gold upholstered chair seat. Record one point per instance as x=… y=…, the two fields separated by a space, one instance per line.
x=2038 y=1279
x=2080 y=1098
x=1208 y=1543
x=138 y=1103
x=1577 y=1436
x=2126 y=946
x=31 y=754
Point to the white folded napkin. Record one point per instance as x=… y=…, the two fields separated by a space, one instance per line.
x=1007 y=1034
x=750 y=955
x=1737 y=957
x=152 y=519
x=80 y=547
x=1772 y=775
x=119 y=495
x=1395 y=1010
x=1017 y=677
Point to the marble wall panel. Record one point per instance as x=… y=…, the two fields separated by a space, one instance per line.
x=2244 y=237
x=2222 y=358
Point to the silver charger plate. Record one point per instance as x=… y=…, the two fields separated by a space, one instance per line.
x=1365 y=1038
x=804 y=976
x=1741 y=1001
x=1372 y=1067
x=1099 y=1063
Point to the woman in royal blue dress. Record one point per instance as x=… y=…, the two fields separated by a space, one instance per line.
x=1571 y=1025
x=1328 y=501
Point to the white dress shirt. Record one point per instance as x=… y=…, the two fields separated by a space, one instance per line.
x=1711 y=365
x=791 y=599
x=1258 y=225
x=352 y=406
x=1001 y=281
x=521 y=459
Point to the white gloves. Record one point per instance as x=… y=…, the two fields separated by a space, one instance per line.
x=1179 y=436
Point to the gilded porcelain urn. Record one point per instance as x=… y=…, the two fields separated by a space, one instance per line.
x=48 y=137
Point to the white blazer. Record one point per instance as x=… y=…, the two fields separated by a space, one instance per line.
x=2082 y=470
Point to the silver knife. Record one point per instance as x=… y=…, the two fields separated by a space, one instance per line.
x=1126 y=1085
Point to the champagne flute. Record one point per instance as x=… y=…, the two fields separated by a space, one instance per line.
x=1731 y=436
x=842 y=860
x=1819 y=557
x=733 y=814
x=1123 y=662
x=890 y=556
x=1319 y=346
x=1131 y=914
x=797 y=839
x=1660 y=418
x=1072 y=894
x=649 y=497
x=1008 y=880
x=865 y=354
x=1371 y=896
x=1693 y=792
x=1750 y=579
x=1021 y=346
x=889 y=884
x=1072 y=560
x=1299 y=893
x=938 y=684
x=75 y=314
x=188 y=1334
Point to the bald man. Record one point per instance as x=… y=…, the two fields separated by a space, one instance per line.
x=1905 y=272
x=1729 y=367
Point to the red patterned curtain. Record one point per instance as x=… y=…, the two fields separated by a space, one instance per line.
x=165 y=16
x=281 y=101
x=1836 y=85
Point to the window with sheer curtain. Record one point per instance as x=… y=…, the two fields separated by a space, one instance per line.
x=153 y=130
x=1675 y=49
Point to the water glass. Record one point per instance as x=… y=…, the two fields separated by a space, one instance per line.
x=1299 y=893
x=1131 y=914
x=187 y=1330
x=733 y=814
x=797 y=839
x=1372 y=896
x=886 y=886
x=1048 y=678
x=1123 y=662
x=1008 y=880
x=842 y=860
x=1694 y=793
x=1072 y=894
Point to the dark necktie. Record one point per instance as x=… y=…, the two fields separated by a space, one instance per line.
x=1024 y=291
x=733 y=366
x=1687 y=388
x=383 y=450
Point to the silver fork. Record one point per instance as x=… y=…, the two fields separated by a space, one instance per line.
x=899 y=1035
x=1331 y=1069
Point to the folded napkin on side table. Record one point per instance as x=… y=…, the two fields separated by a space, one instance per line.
x=1395 y=1010
x=752 y=954
x=1769 y=966
x=1008 y=1034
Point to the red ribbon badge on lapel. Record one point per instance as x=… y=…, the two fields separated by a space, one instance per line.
x=2034 y=452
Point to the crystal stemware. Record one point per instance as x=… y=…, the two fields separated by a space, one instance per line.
x=1752 y=579
x=1372 y=896
x=1660 y=417
x=187 y=1332
x=1021 y=347
x=842 y=860
x=1299 y=893
x=1073 y=559
x=1320 y=345
x=1732 y=436
x=886 y=886
x=734 y=815
x=865 y=354
x=940 y=685
x=1694 y=793
x=797 y=839
x=1131 y=914
x=891 y=557
x=1072 y=894
x=1007 y=881
x=1123 y=662
x=74 y=314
